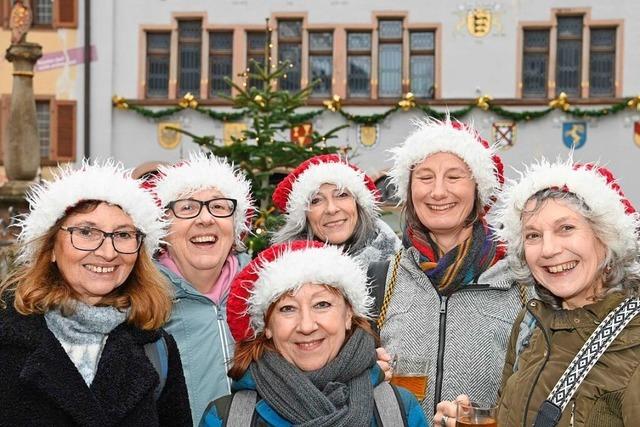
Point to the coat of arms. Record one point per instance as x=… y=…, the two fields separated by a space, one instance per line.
x=232 y=131
x=574 y=134
x=301 y=134
x=479 y=22
x=636 y=133
x=168 y=137
x=504 y=134
x=368 y=135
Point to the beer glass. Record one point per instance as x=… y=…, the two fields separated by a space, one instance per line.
x=412 y=373
x=473 y=414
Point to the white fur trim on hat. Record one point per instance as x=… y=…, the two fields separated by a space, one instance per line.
x=592 y=187
x=310 y=181
x=434 y=136
x=202 y=172
x=107 y=181
x=327 y=265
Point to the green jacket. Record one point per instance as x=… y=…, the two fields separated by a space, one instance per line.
x=609 y=395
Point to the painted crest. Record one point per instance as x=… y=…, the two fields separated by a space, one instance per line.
x=636 y=133
x=233 y=131
x=574 y=134
x=368 y=135
x=302 y=134
x=168 y=137
x=479 y=22
x=504 y=134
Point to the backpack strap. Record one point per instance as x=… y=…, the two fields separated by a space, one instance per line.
x=158 y=354
x=525 y=330
x=551 y=409
x=243 y=405
x=388 y=405
x=388 y=291
x=523 y=294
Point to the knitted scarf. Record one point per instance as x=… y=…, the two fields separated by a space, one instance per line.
x=83 y=334
x=339 y=394
x=461 y=265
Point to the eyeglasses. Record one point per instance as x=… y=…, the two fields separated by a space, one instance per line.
x=90 y=239
x=220 y=207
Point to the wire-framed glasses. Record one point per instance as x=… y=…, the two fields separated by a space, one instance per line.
x=91 y=238
x=220 y=207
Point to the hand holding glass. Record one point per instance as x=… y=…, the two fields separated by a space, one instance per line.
x=473 y=414
x=411 y=372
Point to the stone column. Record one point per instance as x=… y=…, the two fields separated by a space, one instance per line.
x=21 y=150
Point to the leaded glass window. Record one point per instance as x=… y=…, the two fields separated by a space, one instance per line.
x=321 y=62
x=189 y=56
x=422 y=63
x=569 y=55
x=220 y=62
x=535 y=63
x=158 y=53
x=359 y=64
x=602 y=62
x=390 y=58
x=290 y=50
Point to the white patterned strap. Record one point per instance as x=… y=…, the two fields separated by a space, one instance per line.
x=586 y=358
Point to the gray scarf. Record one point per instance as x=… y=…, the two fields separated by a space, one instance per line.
x=83 y=334
x=339 y=394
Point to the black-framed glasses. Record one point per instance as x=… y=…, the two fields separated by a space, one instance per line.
x=220 y=207
x=91 y=238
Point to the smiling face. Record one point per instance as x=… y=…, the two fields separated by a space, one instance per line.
x=199 y=246
x=309 y=327
x=443 y=193
x=94 y=274
x=563 y=252
x=332 y=214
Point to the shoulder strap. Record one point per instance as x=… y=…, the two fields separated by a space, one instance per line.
x=377 y=275
x=388 y=404
x=525 y=330
x=158 y=354
x=243 y=405
x=523 y=294
x=607 y=331
x=388 y=292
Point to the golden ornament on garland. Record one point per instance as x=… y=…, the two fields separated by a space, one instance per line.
x=334 y=104
x=258 y=99
x=188 y=101
x=119 y=102
x=634 y=103
x=561 y=102
x=483 y=102
x=408 y=101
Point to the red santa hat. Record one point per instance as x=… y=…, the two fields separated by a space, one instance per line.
x=285 y=267
x=107 y=181
x=202 y=172
x=595 y=185
x=434 y=136
x=294 y=192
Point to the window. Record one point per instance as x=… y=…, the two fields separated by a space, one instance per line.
x=359 y=64
x=290 y=49
x=602 y=62
x=43 y=123
x=422 y=63
x=220 y=62
x=321 y=62
x=535 y=63
x=158 y=53
x=42 y=12
x=189 y=57
x=569 y=55
x=390 y=58
x=255 y=51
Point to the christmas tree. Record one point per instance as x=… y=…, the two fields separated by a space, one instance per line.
x=265 y=150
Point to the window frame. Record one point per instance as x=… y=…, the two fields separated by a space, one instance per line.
x=213 y=52
x=381 y=41
x=148 y=54
x=321 y=53
x=292 y=41
x=422 y=52
x=189 y=41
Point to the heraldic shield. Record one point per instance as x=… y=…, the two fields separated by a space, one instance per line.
x=574 y=134
x=479 y=22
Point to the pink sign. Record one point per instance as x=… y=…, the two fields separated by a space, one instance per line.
x=59 y=59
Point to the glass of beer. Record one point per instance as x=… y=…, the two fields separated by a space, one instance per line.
x=412 y=373
x=473 y=414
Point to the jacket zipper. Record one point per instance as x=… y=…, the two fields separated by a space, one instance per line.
x=441 y=341
x=546 y=359
x=223 y=342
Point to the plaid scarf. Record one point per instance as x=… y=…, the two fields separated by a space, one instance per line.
x=460 y=266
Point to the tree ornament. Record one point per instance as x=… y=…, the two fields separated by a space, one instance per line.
x=188 y=101
x=561 y=102
x=334 y=104
x=483 y=102
x=258 y=99
x=119 y=102
x=634 y=103
x=408 y=101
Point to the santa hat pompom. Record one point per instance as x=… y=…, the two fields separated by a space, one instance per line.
x=285 y=267
x=106 y=181
x=594 y=184
x=202 y=172
x=434 y=136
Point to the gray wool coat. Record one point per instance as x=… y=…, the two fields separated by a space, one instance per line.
x=464 y=336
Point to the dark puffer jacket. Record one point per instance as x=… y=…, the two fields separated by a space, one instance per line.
x=40 y=385
x=609 y=395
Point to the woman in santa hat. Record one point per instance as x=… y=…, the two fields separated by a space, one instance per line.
x=330 y=200
x=572 y=234
x=449 y=295
x=80 y=337
x=305 y=353
x=208 y=203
